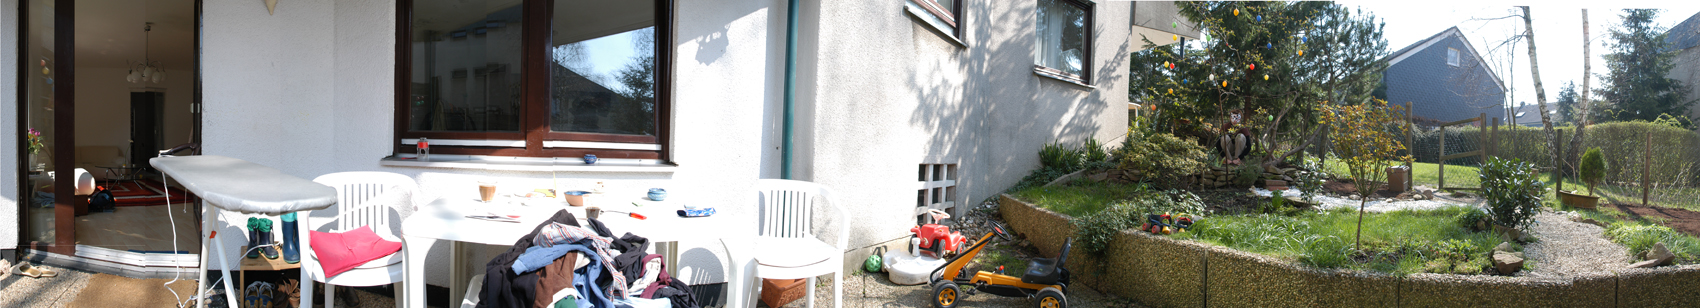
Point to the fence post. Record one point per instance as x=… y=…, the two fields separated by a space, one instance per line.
x=1557 y=170
x=1493 y=140
x=1647 y=169
x=1410 y=147
x=1440 y=160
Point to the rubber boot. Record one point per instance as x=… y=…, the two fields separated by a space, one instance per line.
x=291 y=244
x=253 y=238
x=271 y=252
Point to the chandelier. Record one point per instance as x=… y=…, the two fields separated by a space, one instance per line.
x=145 y=70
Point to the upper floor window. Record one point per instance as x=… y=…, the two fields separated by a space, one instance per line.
x=1065 y=40
x=1452 y=56
x=537 y=78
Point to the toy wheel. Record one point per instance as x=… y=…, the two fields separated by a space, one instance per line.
x=946 y=294
x=1050 y=298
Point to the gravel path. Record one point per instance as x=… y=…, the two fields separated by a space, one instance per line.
x=22 y=291
x=1565 y=248
x=1373 y=205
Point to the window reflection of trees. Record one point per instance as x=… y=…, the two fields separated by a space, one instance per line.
x=622 y=102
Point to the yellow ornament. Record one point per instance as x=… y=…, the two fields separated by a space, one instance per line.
x=1266 y=77
x=1301 y=52
x=1224 y=83
x=1176 y=37
x=1171 y=91
x=1236 y=12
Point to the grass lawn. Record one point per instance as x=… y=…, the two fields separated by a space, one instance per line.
x=1078 y=199
x=1400 y=242
x=1422 y=173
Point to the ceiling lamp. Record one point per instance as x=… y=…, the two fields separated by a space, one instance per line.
x=146 y=70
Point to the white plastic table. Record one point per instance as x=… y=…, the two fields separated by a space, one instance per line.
x=445 y=219
x=237 y=185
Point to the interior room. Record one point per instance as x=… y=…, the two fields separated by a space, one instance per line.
x=135 y=85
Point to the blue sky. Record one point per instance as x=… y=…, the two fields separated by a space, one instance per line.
x=1558 y=33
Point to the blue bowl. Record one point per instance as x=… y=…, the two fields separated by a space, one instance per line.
x=657 y=194
x=590 y=159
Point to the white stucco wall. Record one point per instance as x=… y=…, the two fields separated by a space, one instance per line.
x=9 y=130
x=310 y=91
x=887 y=93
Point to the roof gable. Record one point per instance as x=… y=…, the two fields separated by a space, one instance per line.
x=1424 y=44
x=1684 y=35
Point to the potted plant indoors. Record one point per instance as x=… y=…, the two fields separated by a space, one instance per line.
x=1593 y=167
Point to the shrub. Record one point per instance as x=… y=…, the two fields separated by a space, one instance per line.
x=1513 y=191
x=1094 y=231
x=1593 y=168
x=1162 y=157
x=1247 y=175
x=1058 y=156
x=1471 y=219
x=1310 y=178
x=1094 y=151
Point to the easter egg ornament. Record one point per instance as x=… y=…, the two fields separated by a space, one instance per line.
x=1171 y=91
x=1236 y=12
x=1251 y=67
x=1175 y=37
x=1259 y=18
x=1265 y=76
x=1301 y=52
x=1224 y=83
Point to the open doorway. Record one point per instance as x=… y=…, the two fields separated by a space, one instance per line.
x=134 y=93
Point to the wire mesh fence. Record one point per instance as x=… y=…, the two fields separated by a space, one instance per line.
x=1664 y=160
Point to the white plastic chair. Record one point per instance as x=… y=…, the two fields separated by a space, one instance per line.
x=785 y=245
x=374 y=199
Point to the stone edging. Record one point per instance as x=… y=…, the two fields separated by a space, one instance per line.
x=1163 y=272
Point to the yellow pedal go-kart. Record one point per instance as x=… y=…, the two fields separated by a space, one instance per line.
x=1045 y=280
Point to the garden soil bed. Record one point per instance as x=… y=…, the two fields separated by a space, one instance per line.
x=1684 y=221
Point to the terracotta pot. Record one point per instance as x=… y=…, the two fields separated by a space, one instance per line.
x=1579 y=201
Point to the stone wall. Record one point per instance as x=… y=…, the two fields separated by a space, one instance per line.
x=1162 y=272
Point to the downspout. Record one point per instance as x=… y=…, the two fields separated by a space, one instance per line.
x=790 y=88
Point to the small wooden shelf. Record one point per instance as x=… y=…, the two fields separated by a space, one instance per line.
x=263 y=264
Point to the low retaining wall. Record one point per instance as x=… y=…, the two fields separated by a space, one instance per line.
x=1162 y=272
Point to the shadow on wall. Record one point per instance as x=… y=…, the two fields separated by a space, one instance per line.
x=1003 y=113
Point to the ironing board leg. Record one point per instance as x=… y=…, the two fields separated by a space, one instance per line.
x=224 y=266
x=200 y=285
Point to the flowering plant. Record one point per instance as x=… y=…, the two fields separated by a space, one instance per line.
x=34 y=137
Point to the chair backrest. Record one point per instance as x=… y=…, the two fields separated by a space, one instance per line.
x=786 y=207
x=368 y=198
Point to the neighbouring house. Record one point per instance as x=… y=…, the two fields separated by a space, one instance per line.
x=1684 y=40
x=1444 y=78
x=1530 y=115
x=898 y=106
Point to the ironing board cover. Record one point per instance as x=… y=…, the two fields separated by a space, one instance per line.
x=238 y=185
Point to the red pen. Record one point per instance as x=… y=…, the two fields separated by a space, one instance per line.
x=630 y=214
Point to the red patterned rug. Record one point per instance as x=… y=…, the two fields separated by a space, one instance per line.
x=128 y=193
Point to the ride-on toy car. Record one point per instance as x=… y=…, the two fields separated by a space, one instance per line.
x=1045 y=280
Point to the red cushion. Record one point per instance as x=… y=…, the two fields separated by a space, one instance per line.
x=340 y=252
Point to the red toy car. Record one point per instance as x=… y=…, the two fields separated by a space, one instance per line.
x=938 y=240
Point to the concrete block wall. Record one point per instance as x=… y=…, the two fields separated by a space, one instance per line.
x=1162 y=272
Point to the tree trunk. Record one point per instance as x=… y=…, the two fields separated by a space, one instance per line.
x=1540 y=92
x=1581 y=119
x=1360 y=237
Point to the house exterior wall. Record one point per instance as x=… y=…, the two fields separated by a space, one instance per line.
x=1687 y=69
x=1441 y=92
x=9 y=159
x=890 y=93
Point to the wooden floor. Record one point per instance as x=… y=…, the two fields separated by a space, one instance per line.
x=142 y=228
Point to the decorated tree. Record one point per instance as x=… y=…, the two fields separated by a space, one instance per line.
x=1274 y=60
x=1366 y=138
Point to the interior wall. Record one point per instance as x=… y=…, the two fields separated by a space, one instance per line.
x=103 y=107
x=9 y=158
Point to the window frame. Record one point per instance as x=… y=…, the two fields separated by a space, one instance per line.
x=950 y=16
x=1085 y=77
x=535 y=97
x=1453 y=57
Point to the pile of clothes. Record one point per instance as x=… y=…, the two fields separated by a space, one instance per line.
x=564 y=264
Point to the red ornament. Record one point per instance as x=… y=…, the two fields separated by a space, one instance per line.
x=1251 y=67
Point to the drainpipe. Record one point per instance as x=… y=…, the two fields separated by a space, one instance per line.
x=790 y=87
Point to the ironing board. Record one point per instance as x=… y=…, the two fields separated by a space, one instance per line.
x=237 y=185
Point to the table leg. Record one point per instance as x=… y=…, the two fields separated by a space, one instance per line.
x=457 y=276
x=417 y=249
